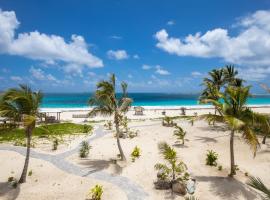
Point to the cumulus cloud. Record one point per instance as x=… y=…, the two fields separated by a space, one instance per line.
x=146 y=67
x=16 y=78
x=40 y=75
x=161 y=71
x=251 y=46
x=254 y=74
x=116 y=37
x=117 y=55
x=196 y=74
x=43 y=47
x=136 y=56
x=171 y=22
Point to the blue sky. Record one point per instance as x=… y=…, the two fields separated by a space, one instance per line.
x=155 y=46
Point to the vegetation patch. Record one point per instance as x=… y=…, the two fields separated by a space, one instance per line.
x=45 y=131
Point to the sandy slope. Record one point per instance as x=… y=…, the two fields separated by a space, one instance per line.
x=211 y=183
x=47 y=182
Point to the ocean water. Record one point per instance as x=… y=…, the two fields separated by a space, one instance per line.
x=79 y=100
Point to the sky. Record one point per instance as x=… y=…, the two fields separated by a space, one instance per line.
x=155 y=46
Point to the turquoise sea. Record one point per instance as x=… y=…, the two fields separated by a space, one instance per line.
x=79 y=100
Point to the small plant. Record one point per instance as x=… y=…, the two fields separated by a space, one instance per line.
x=96 y=192
x=191 y=121
x=167 y=121
x=175 y=169
x=136 y=153
x=84 y=150
x=14 y=183
x=246 y=173
x=10 y=179
x=191 y=198
x=55 y=144
x=87 y=128
x=211 y=158
x=180 y=133
x=132 y=134
x=30 y=173
x=220 y=168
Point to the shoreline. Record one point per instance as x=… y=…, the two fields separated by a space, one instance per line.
x=163 y=107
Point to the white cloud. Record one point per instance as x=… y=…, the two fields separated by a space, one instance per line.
x=196 y=74
x=117 y=55
x=16 y=78
x=43 y=47
x=254 y=74
x=146 y=67
x=74 y=69
x=116 y=37
x=91 y=73
x=136 y=56
x=40 y=75
x=171 y=22
x=250 y=47
x=161 y=71
x=130 y=76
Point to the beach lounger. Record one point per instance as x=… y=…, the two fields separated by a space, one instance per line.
x=139 y=110
x=80 y=115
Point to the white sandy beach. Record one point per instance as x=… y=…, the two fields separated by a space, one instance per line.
x=49 y=182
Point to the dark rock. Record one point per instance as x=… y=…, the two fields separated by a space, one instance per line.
x=162 y=184
x=179 y=188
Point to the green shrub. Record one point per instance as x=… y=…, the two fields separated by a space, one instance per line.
x=14 y=183
x=30 y=173
x=10 y=179
x=219 y=168
x=87 y=128
x=246 y=173
x=191 y=198
x=55 y=144
x=180 y=133
x=211 y=158
x=96 y=192
x=136 y=153
x=84 y=150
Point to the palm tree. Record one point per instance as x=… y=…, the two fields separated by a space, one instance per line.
x=257 y=184
x=106 y=103
x=180 y=133
x=238 y=118
x=175 y=167
x=22 y=104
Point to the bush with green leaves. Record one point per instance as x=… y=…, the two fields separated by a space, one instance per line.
x=211 y=158
x=220 y=168
x=96 y=192
x=55 y=144
x=167 y=121
x=173 y=169
x=30 y=173
x=191 y=198
x=84 y=150
x=10 y=179
x=87 y=128
x=180 y=133
x=136 y=153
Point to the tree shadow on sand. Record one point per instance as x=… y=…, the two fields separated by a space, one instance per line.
x=216 y=128
x=8 y=192
x=227 y=187
x=99 y=165
x=205 y=139
x=180 y=145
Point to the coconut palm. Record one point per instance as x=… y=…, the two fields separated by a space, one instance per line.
x=22 y=104
x=234 y=113
x=175 y=167
x=180 y=133
x=257 y=184
x=106 y=103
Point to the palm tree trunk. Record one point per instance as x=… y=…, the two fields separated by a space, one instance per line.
x=264 y=139
x=232 y=154
x=28 y=133
x=116 y=121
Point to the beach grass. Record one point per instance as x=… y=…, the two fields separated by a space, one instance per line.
x=46 y=131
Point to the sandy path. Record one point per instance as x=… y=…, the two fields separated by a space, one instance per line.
x=132 y=190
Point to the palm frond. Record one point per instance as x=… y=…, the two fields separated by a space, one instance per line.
x=257 y=184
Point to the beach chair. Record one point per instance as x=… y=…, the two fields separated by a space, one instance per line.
x=50 y=119
x=80 y=115
x=183 y=111
x=139 y=110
